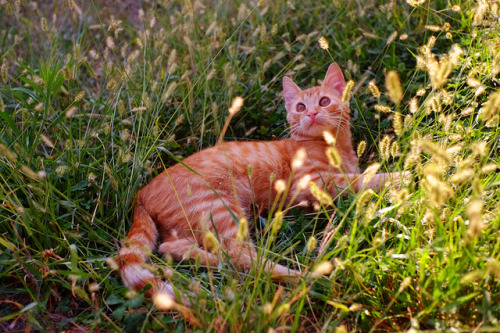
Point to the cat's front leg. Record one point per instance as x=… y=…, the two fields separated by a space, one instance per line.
x=342 y=183
x=379 y=181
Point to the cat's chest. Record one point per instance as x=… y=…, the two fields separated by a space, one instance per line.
x=318 y=156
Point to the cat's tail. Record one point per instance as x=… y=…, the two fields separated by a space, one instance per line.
x=136 y=249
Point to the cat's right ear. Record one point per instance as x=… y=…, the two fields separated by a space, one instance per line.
x=334 y=79
x=290 y=91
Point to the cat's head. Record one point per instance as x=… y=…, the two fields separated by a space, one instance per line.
x=312 y=111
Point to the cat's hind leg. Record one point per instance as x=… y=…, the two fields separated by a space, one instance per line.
x=186 y=248
x=220 y=219
x=241 y=253
x=244 y=256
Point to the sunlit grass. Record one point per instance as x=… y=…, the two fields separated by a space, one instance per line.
x=95 y=101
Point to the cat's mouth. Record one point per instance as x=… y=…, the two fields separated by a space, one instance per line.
x=315 y=122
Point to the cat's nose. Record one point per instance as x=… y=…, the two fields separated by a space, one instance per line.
x=312 y=114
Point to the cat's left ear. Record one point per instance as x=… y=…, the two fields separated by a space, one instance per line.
x=334 y=79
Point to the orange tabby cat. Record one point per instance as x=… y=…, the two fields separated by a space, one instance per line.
x=183 y=203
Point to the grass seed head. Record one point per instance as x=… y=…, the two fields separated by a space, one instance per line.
x=329 y=138
x=79 y=96
x=384 y=147
x=242 y=233
x=169 y=92
x=133 y=56
x=494 y=266
x=299 y=158
x=361 y=148
x=346 y=95
x=395 y=149
x=249 y=170
x=211 y=242
x=140 y=109
x=4 y=70
x=435 y=28
x=462 y=176
x=391 y=38
x=323 y=43
x=304 y=182
x=110 y=43
x=43 y=24
x=437 y=191
x=38 y=107
x=46 y=141
x=282 y=309
x=473 y=212
x=436 y=151
x=111 y=85
x=382 y=108
x=370 y=172
x=480 y=148
x=267 y=308
x=29 y=172
x=112 y=264
x=479 y=90
x=323 y=268
x=363 y=199
x=312 y=242
x=236 y=105
x=491 y=106
x=38 y=80
x=374 y=89
x=163 y=301
x=9 y=154
x=334 y=157
x=280 y=186
x=393 y=85
x=398 y=123
x=415 y=3
x=114 y=25
x=323 y=197
x=404 y=284
x=455 y=54
x=473 y=82
x=488 y=168
x=277 y=222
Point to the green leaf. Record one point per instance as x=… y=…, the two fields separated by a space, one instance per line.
x=10 y=122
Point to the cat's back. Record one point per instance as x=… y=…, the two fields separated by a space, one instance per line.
x=235 y=157
x=241 y=157
x=245 y=165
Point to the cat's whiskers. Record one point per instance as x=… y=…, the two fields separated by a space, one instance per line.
x=338 y=122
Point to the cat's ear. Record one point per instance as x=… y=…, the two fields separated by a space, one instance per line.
x=290 y=91
x=334 y=79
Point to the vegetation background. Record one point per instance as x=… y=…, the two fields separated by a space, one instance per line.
x=97 y=97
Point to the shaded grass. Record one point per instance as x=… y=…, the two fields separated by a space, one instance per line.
x=405 y=260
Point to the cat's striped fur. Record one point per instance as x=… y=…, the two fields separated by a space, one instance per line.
x=179 y=206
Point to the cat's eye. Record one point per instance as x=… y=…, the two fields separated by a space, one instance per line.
x=301 y=107
x=324 y=101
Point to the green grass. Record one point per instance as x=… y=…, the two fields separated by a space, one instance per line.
x=423 y=257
